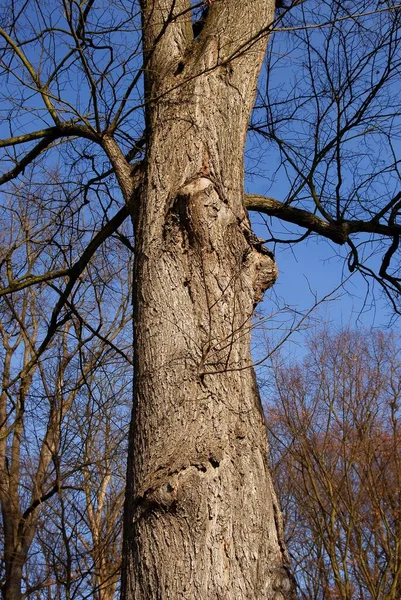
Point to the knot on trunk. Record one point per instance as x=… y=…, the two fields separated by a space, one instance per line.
x=263 y=265
x=283 y=584
x=176 y=489
x=188 y=219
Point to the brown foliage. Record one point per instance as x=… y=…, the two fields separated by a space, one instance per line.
x=335 y=435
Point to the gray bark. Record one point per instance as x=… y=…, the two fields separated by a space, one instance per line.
x=201 y=516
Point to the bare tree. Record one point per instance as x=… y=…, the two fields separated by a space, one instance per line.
x=335 y=438
x=144 y=109
x=334 y=120
x=39 y=390
x=79 y=535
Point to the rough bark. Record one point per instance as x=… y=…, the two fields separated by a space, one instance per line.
x=201 y=516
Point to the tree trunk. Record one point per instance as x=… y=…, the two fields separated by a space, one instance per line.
x=18 y=536
x=11 y=590
x=201 y=516
x=12 y=587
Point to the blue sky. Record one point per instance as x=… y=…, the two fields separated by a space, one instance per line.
x=370 y=150
x=313 y=267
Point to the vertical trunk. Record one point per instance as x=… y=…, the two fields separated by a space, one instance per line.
x=12 y=586
x=18 y=531
x=18 y=536
x=201 y=517
x=15 y=555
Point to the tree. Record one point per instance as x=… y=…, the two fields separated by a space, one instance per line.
x=79 y=534
x=201 y=515
x=334 y=423
x=45 y=411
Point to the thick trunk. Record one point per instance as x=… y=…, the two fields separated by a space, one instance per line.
x=201 y=517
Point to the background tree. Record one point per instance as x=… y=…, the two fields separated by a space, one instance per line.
x=334 y=423
x=138 y=116
x=45 y=413
x=79 y=535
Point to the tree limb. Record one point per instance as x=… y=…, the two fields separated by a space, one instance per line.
x=48 y=136
x=28 y=281
x=74 y=274
x=337 y=232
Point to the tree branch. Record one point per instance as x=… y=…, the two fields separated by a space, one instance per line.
x=48 y=136
x=337 y=232
x=28 y=281
x=74 y=274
